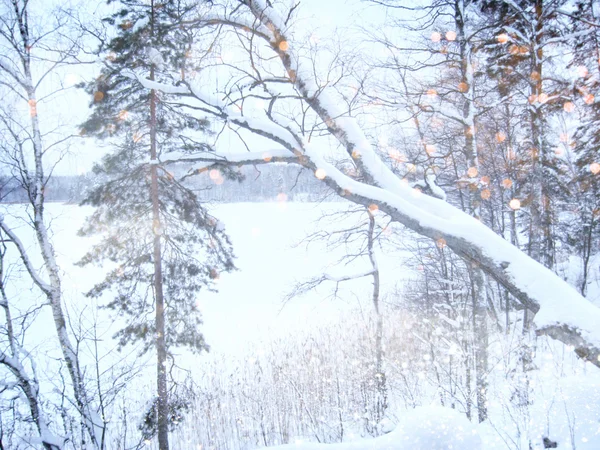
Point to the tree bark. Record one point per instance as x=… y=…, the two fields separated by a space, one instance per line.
x=380 y=378
x=161 y=348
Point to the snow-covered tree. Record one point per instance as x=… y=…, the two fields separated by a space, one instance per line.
x=165 y=243
x=33 y=52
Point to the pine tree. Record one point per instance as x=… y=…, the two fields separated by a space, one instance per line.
x=166 y=245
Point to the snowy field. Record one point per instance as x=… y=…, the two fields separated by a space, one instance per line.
x=271 y=257
x=249 y=313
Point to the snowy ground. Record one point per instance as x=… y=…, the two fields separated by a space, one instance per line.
x=426 y=428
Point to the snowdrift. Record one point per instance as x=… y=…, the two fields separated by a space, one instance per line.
x=425 y=428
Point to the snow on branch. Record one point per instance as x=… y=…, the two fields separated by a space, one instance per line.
x=264 y=127
x=209 y=160
x=313 y=283
x=233 y=159
x=35 y=276
x=255 y=28
x=355 y=276
x=149 y=84
x=344 y=128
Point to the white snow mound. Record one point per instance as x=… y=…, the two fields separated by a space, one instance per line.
x=425 y=428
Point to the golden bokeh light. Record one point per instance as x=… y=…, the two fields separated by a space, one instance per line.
x=582 y=71
x=396 y=155
x=515 y=204
x=320 y=174
x=472 y=172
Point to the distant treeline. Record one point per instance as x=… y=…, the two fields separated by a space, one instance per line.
x=246 y=184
